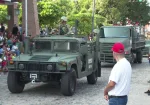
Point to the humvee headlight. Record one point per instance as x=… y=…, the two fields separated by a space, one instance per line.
x=21 y=66
x=49 y=67
x=62 y=63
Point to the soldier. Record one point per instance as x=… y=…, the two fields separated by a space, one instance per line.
x=31 y=44
x=95 y=32
x=63 y=28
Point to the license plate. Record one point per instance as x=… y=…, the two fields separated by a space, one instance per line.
x=33 y=76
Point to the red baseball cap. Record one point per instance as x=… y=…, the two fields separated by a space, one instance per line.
x=118 y=47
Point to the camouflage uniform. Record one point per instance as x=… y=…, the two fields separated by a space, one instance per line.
x=63 y=29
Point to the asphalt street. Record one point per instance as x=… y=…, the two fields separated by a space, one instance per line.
x=49 y=94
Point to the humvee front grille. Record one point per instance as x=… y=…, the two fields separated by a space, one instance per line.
x=106 y=53
x=37 y=66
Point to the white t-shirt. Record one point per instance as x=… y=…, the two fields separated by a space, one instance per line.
x=121 y=75
x=14 y=47
x=1 y=38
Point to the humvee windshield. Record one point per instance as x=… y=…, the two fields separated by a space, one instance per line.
x=42 y=45
x=115 y=32
x=63 y=46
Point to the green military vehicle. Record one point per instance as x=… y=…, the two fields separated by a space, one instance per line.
x=56 y=58
x=133 y=41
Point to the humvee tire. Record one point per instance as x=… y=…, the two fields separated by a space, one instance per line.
x=139 y=56
x=68 y=83
x=92 y=78
x=14 y=83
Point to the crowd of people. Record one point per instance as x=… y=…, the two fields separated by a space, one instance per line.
x=11 y=45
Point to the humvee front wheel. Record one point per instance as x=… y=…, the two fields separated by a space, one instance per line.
x=92 y=78
x=68 y=83
x=15 y=85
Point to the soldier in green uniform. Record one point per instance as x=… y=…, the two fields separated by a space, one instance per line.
x=63 y=28
x=95 y=31
x=31 y=44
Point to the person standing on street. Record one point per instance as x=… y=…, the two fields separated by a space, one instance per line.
x=119 y=81
x=2 y=29
x=15 y=30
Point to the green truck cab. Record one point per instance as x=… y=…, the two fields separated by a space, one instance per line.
x=56 y=58
x=133 y=41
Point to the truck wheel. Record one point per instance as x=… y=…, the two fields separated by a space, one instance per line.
x=15 y=85
x=92 y=78
x=68 y=83
x=139 y=56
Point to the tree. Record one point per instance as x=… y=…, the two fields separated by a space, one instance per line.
x=83 y=13
x=138 y=12
x=3 y=13
x=49 y=12
x=112 y=10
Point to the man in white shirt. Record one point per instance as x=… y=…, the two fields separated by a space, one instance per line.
x=119 y=81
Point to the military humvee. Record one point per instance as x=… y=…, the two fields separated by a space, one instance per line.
x=134 y=42
x=56 y=58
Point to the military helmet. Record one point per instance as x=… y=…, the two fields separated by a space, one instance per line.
x=96 y=31
x=64 y=18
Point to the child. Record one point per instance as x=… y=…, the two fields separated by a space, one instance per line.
x=4 y=65
x=13 y=55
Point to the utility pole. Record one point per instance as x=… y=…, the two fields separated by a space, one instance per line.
x=26 y=17
x=93 y=12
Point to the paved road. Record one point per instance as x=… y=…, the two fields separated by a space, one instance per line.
x=49 y=94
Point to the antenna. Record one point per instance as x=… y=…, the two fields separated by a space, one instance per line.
x=76 y=27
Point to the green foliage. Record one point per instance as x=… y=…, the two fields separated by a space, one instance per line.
x=112 y=10
x=49 y=12
x=138 y=12
x=83 y=13
x=3 y=13
x=85 y=22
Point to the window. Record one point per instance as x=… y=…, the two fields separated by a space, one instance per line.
x=42 y=45
x=65 y=46
x=118 y=32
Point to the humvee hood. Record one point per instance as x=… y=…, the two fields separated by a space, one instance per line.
x=112 y=40
x=46 y=58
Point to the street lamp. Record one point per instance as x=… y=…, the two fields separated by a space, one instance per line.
x=17 y=11
x=8 y=17
x=26 y=17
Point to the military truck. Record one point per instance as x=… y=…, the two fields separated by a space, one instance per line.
x=133 y=41
x=62 y=59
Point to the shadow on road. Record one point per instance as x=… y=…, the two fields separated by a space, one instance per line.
x=42 y=89
x=107 y=65
x=47 y=90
